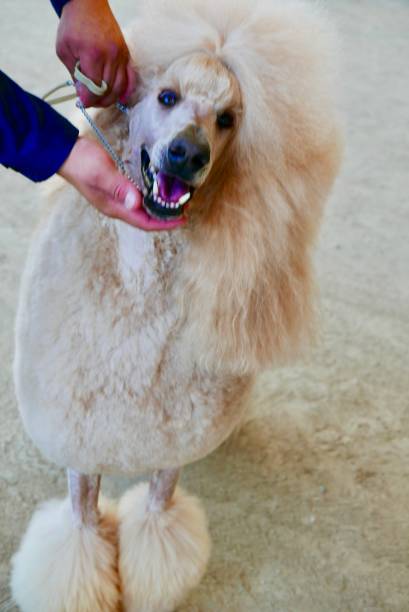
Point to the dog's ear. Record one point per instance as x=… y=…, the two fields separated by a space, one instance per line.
x=139 y=89
x=250 y=259
x=249 y=270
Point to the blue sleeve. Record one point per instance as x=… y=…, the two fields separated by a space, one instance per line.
x=59 y=5
x=35 y=140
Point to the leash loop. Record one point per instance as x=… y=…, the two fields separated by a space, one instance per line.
x=97 y=90
x=60 y=98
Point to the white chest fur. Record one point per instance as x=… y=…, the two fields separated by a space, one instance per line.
x=100 y=375
x=136 y=255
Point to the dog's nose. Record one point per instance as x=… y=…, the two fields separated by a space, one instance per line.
x=181 y=152
x=188 y=154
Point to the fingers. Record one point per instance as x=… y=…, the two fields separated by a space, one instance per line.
x=118 y=86
x=90 y=169
x=113 y=67
x=131 y=83
x=86 y=97
x=127 y=206
x=139 y=218
x=92 y=65
x=89 y=33
x=116 y=77
x=65 y=55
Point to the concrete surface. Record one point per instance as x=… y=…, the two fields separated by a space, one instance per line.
x=308 y=505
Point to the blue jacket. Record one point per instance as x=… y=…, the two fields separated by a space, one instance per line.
x=59 y=5
x=35 y=140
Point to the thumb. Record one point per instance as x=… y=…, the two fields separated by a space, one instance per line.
x=126 y=203
x=124 y=193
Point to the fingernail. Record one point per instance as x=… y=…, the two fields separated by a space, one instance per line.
x=130 y=200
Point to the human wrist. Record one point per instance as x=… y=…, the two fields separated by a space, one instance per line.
x=68 y=168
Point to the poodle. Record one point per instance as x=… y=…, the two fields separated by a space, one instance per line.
x=136 y=352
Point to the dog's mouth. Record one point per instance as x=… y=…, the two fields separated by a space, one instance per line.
x=165 y=196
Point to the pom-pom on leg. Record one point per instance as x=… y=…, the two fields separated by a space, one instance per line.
x=67 y=561
x=163 y=542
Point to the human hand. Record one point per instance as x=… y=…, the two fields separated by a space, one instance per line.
x=90 y=169
x=89 y=33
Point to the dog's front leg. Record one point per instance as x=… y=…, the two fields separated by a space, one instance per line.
x=68 y=556
x=164 y=544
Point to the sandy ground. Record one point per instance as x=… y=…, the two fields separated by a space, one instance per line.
x=308 y=506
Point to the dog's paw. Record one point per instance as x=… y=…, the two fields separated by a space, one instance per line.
x=164 y=553
x=61 y=567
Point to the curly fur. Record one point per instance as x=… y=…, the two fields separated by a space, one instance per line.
x=207 y=306
x=249 y=257
x=164 y=553
x=136 y=352
x=61 y=567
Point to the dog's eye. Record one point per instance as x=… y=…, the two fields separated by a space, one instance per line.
x=225 y=120
x=167 y=97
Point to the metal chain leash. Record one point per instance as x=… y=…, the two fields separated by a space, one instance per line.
x=97 y=90
x=108 y=148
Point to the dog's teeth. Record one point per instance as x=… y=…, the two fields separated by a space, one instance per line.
x=145 y=191
x=184 y=198
x=155 y=190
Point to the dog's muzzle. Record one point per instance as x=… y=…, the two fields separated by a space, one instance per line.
x=168 y=190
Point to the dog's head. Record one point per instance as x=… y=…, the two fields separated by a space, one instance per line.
x=183 y=123
x=235 y=117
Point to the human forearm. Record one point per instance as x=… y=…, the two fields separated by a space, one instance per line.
x=35 y=140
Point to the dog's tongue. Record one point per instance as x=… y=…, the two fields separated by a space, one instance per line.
x=171 y=189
